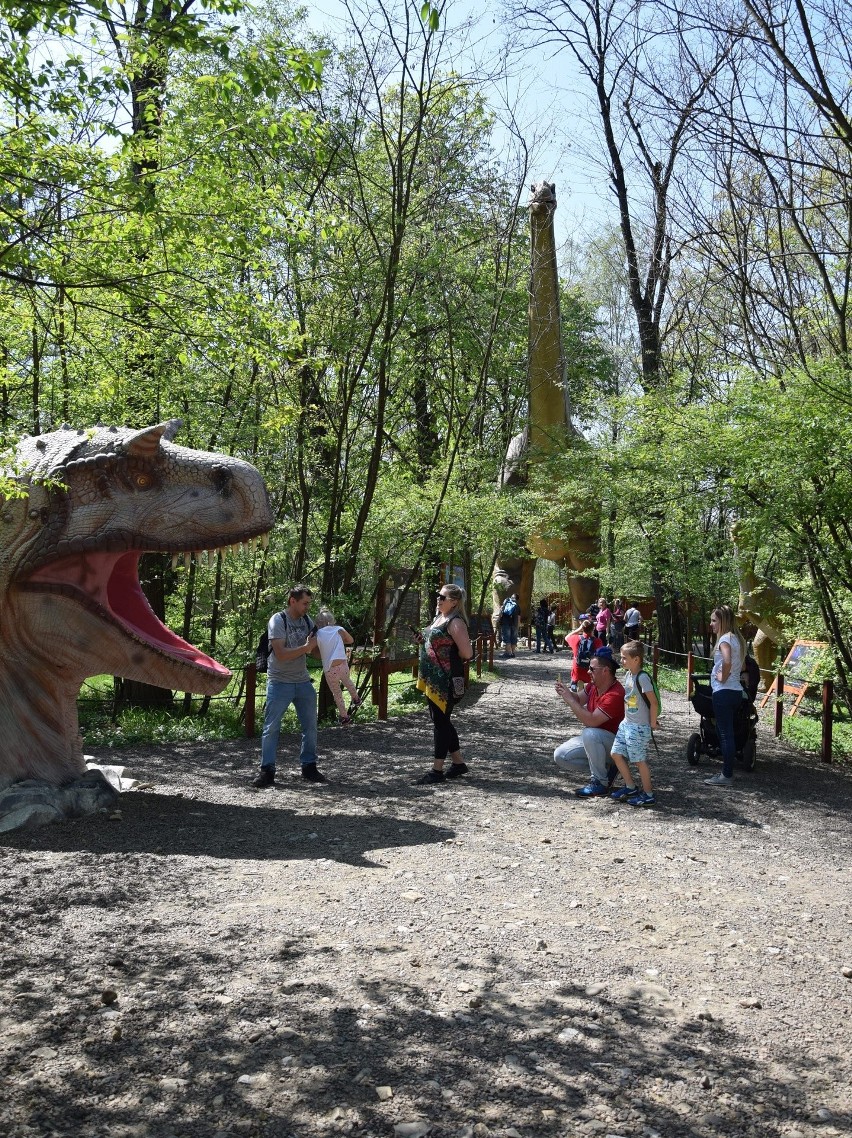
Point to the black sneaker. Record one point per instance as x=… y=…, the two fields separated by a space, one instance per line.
x=265 y=778
x=311 y=774
x=455 y=770
x=429 y=778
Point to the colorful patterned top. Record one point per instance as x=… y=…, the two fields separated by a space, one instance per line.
x=434 y=677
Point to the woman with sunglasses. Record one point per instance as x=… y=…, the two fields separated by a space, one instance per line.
x=445 y=637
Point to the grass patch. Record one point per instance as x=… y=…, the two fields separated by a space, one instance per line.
x=805 y=732
x=671 y=679
x=135 y=725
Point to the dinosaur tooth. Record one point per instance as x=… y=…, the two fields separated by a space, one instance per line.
x=174 y=561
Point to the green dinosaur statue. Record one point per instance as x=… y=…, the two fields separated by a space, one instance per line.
x=762 y=602
x=70 y=601
x=550 y=426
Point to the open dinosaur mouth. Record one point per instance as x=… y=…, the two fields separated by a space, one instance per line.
x=108 y=585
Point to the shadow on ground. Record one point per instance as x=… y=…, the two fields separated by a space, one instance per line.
x=284 y=1057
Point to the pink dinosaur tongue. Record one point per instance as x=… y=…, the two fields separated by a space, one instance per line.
x=111 y=581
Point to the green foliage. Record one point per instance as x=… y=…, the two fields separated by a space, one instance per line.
x=671 y=679
x=806 y=733
x=431 y=16
x=139 y=725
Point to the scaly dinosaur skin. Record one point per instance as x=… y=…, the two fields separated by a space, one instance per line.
x=70 y=601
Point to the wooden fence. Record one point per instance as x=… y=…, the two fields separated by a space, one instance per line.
x=778 y=716
x=380 y=667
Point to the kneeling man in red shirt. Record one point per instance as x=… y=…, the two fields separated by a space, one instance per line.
x=600 y=708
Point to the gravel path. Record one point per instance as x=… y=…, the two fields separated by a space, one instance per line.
x=488 y=957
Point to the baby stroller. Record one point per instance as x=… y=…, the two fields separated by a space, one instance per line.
x=705 y=740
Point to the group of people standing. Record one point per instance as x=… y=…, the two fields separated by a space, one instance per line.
x=293 y=636
x=618 y=719
x=601 y=627
x=604 y=624
x=508 y=624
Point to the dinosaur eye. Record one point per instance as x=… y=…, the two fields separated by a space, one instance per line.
x=143 y=481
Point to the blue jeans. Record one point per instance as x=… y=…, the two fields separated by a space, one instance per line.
x=279 y=696
x=591 y=751
x=726 y=702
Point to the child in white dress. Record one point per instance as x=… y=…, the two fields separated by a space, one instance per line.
x=332 y=641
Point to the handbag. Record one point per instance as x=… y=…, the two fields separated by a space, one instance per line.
x=457 y=684
x=457 y=673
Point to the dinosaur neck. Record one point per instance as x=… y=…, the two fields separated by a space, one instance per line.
x=549 y=416
x=39 y=735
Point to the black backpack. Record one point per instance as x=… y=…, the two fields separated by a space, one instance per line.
x=261 y=655
x=585 y=651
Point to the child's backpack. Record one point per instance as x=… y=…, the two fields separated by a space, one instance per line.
x=261 y=655
x=510 y=606
x=585 y=651
x=656 y=692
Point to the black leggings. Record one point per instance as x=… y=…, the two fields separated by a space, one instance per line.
x=446 y=739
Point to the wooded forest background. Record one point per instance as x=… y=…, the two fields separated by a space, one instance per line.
x=315 y=253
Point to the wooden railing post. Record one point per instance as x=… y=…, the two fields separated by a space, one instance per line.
x=690 y=665
x=375 y=682
x=656 y=662
x=383 y=687
x=779 y=705
x=827 y=719
x=491 y=642
x=251 y=691
x=480 y=648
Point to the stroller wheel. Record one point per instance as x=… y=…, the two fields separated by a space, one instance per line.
x=749 y=753
x=693 y=749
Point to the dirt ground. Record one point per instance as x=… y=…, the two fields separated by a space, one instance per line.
x=488 y=957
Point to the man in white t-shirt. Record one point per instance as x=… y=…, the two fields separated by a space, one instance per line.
x=632 y=623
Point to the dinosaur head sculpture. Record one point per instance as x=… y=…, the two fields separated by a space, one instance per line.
x=71 y=605
x=542 y=199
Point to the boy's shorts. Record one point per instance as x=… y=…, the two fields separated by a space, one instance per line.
x=509 y=633
x=632 y=740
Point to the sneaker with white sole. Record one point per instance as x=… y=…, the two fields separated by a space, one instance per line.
x=624 y=792
x=594 y=789
x=640 y=798
x=719 y=780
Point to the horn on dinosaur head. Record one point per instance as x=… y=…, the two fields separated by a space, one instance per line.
x=146 y=443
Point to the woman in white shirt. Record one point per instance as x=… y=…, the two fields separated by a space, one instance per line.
x=727 y=690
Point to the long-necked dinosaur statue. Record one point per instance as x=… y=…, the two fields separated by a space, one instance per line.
x=70 y=601
x=549 y=426
x=763 y=603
